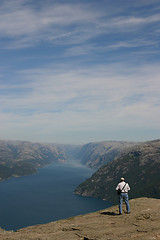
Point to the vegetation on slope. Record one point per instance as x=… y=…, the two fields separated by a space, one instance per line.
x=139 y=165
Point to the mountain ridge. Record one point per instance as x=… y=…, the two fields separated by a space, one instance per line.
x=97 y=154
x=18 y=158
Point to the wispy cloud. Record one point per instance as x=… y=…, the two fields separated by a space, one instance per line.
x=19 y=21
x=76 y=68
x=83 y=89
x=24 y=26
x=125 y=23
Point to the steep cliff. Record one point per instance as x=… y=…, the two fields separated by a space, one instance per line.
x=140 y=165
x=98 y=154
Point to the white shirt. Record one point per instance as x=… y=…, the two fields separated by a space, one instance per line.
x=121 y=185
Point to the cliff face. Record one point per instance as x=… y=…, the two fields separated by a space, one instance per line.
x=143 y=223
x=19 y=158
x=98 y=154
x=139 y=165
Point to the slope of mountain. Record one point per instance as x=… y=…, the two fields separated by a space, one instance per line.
x=98 y=154
x=19 y=158
x=140 y=165
x=142 y=223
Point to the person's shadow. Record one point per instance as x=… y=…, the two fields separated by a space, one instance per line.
x=110 y=213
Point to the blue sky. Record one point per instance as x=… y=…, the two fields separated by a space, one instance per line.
x=79 y=71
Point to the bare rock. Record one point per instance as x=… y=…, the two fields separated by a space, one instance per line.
x=142 y=223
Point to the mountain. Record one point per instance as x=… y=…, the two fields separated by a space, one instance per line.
x=142 y=223
x=18 y=158
x=97 y=154
x=139 y=165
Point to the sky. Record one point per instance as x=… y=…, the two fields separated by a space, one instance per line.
x=79 y=71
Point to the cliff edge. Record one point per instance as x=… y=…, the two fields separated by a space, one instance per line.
x=142 y=223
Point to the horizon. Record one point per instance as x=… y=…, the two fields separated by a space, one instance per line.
x=79 y=72
x=80 y=144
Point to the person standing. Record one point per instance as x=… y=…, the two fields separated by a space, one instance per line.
x=122 y=189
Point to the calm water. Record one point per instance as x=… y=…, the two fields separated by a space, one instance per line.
x=45 y=196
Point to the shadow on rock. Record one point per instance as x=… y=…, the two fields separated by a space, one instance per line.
x=110 y=213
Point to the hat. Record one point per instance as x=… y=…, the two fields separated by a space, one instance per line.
x=122 y=179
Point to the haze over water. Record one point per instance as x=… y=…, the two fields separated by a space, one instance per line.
x=46 y=196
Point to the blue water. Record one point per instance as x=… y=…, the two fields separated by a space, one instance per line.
x=45 y=196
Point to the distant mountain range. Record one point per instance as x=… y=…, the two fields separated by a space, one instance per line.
x=97 y=154
x=139 y=164
x=18 y=158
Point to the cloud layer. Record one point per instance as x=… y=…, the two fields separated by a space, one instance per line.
x=78 y=71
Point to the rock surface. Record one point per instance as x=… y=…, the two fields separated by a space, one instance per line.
x=143 y=223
